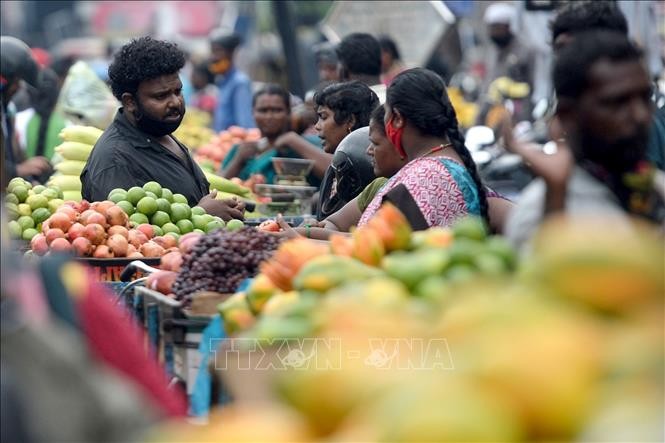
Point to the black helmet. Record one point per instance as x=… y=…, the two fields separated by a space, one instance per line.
x=352 y=168
x=16 y=60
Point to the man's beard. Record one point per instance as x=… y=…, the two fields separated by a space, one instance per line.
x=617 y=157
x=153 y=126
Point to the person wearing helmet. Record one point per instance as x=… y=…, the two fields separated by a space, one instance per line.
x=16 y=65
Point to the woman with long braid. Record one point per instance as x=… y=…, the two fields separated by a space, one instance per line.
x=440 y=183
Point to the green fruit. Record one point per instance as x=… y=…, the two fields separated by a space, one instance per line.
x=213 y=225
x=470 y=227
x=40 y=214
x=21 y=192
x=179 y=198
x=464 y=251
x=50 y=193
x=26 y=222
x=39 y=189
x=460 y=274
x=158 y=231
x=180 y=211
x=138 y=219
x=118 y=196
x=16 y=181
x=153 y=187
x=54 y=204
x=135 y=194
x=151 y=195
x=160 y=218
x=500 y=247
x=116 y=191
x=235 y=225
x=163 y=205
x=12 y=198
x=197 y=210
x=24 y=209
x=185 y=226
x=200 y=221
x=126 y=206
x=15 y=229
x=147 y=206
x=28 y=234
x=490 y=264
x=174 y=235
x=37 y=201
x=167 y=194
x=170 y=227
x=12 y=211
x=199 y=231
x=61 y=195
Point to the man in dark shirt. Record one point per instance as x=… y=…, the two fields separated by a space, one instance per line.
x=138 y=146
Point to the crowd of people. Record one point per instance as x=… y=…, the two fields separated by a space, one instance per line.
x=377 y=132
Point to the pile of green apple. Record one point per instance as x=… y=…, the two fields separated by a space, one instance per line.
x=168 y=213
x=29 y=206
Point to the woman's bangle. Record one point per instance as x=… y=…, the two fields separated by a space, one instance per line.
x=308 y=231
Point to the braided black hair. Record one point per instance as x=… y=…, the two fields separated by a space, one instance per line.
x=420 y=96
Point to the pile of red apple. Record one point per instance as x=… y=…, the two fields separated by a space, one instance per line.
x=99 y=230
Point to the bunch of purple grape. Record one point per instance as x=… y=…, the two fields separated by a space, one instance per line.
x=222 y=259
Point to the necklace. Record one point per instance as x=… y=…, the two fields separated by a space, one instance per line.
x=435 y=149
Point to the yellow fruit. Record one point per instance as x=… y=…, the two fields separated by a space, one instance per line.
x=70 y=167
x=66 y=182
x=82 y=134
x=74 y=151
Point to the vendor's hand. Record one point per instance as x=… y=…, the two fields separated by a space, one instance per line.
x=286 y=230
x=247 y=151
x=34 y=166
x=312 y=223
x=226 y=209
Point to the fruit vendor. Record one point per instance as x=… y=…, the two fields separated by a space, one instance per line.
x=16 y=65
x=604 y=108
x=139 y=145
x=272 y=112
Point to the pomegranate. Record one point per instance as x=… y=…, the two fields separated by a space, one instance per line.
x=161 y=281
x=131 y=249
x=45 y=226
x=171 y=262
x=115 y=216
x=94 y=218
x=118 y=245
x=82 y=246
x=136 y=238
x=60 y=244
x=166 y=241
x=102 y=251
x=81 y=206
x=151 y=249
x=95 y=233
x=52 y=234
x=75 y=231
x=188 y=241
x=135 y=254
x=60 y=220
x=71 y=212
x=118 y=230
x=147 y=230
x=38 y=244
x=102 y=206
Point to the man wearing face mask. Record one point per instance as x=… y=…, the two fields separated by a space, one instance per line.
x=138 y=146
x=507 y=55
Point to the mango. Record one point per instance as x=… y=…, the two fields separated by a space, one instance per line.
x=367 y=246
x=329 y=271
x=412 y=267
x=236 y=313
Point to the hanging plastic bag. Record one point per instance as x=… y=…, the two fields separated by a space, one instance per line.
x=85 y=99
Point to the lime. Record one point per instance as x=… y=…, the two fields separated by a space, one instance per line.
x=160 y=218
x=158 y=231
x=29 y=233
x=235 y=225
x=50 y=193
x=138 y=218
x=118 y=196
x=54 y=204
x=151 y=195
x=11 y=198
x=24 y=209
x=16 y=181
x=170 y=227
x=199 y=231
x=147 y=206
x=470 y=227
x=40 y=214
x=197 y=210
x=61 y=195
x=153 y=187
x=15 y=229
x=180 y=211
x=174 y=235
x=213 y=225
x=37 y=201
x=179 y=198
x=26 y=222
x=117 y=191
x=12 y=211
x=200 y=221
x=185 y=226
x=21 y=192
x=163 y=205
x=126 y=206
x=135 y=194
x=167 y=194
x=39 y=189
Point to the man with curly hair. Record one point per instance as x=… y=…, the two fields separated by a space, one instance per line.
x=138 y=146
